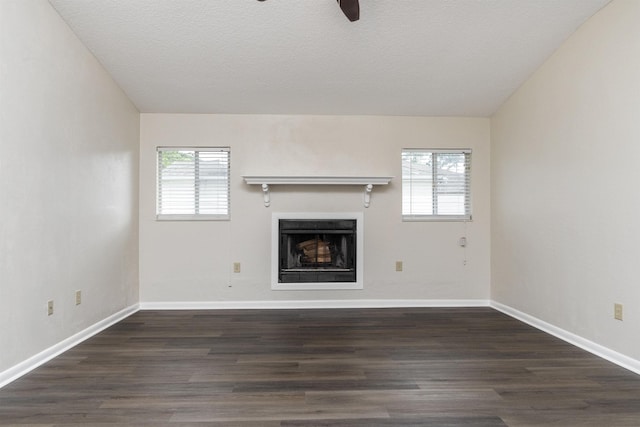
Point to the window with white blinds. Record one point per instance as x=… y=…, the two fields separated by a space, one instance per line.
x=193 y=183
x=436 y=185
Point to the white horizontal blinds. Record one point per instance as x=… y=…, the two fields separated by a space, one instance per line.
x=417 y=183
x=193 y=183
x=436 y=184
x=213 y=189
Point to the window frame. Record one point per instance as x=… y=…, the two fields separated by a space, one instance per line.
x=196 y=196
x=467 y=216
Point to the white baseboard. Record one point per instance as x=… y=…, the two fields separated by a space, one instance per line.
x=612 y=356
x=294 y=304
x=44 y=356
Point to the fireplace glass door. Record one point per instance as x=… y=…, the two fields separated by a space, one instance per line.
x=321 y=250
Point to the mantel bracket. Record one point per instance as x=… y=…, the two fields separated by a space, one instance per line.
x=367 y=195
x=266 y=195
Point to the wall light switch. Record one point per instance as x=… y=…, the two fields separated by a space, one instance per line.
x=78 y=297
x=49 y=307
x=617 y=311
x=398 y=265
x=236 y=267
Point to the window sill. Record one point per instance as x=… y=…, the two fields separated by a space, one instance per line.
x=436 y=218
x=192 y=218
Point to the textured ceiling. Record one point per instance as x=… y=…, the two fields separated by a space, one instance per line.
x=403 y=57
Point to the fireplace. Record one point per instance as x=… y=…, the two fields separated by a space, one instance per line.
x=317 y=251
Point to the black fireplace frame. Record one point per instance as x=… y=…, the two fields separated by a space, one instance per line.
x=338 y=261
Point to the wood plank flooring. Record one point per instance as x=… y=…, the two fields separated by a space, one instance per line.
x=343 y=367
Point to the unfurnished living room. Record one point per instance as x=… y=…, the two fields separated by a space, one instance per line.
x=319 y=213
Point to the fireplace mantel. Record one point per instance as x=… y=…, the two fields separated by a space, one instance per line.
x=367 y=181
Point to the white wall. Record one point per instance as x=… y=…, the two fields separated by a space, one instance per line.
x=68 y=184
x=564 y=172
x=192 y=261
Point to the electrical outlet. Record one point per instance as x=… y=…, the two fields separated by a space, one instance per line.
x=398 y=265
x=78 y=297
x=617 y=311
x=236 y=267
x=49 y=307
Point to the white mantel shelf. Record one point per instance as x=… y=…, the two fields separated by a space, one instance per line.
x=367 y=181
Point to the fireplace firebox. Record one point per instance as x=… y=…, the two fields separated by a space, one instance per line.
x=317 y=251
x=322 y=250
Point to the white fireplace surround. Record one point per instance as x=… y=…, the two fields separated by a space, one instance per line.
x=275 y=221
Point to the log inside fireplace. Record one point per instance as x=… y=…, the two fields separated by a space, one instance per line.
x=317 y=250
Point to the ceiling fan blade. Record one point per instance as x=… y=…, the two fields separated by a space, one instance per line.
x=351 y=9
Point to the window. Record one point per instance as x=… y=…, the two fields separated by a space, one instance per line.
x=436 y=185
x=193 y=183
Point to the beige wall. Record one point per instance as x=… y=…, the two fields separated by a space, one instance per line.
x=68 y=184
x=565 y=202
x=192 y=261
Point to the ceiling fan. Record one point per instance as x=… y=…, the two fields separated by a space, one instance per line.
x=350 y=8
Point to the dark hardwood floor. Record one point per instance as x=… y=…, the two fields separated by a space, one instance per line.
x=346 y=367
